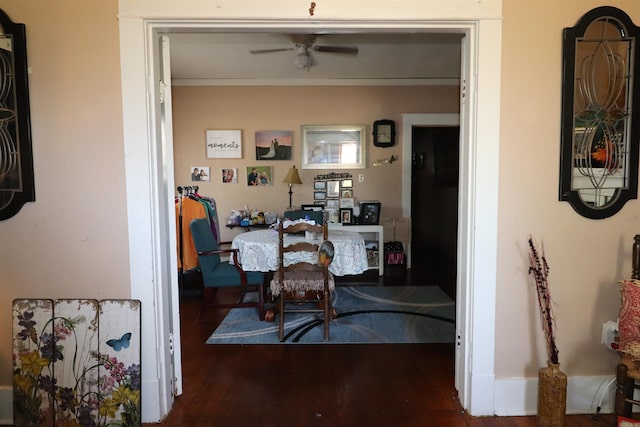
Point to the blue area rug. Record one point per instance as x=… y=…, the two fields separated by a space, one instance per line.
x=366 y=315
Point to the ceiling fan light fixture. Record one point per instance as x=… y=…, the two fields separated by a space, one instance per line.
x=302 y=60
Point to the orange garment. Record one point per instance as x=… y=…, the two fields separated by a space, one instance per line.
x=191 y=209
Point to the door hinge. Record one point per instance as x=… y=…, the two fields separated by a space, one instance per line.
x=463 y=90
x=162 y=90
x=171 y=343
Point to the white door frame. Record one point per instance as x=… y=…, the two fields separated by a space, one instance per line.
x=145 y=191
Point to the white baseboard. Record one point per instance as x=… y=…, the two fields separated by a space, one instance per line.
x=519 y=396
x=6 y=405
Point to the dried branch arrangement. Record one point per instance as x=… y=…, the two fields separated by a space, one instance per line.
x=539 y=269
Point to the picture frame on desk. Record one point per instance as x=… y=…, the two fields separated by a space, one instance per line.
x=346 y=215
x=369 y=213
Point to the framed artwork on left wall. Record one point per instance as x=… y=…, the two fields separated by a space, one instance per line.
x=223 y=144
x=200 y=173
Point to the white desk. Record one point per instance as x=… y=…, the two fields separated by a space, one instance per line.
x=259 y=251
x=377 y=229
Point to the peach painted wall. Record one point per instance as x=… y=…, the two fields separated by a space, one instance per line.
x=72 y=241
x=252 y=109
x=586 y=256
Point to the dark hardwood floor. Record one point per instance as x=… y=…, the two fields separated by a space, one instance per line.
x=323 y=385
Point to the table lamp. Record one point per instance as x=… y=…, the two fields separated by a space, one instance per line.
x=292 y=178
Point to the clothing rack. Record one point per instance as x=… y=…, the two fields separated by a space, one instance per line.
x=182 y=191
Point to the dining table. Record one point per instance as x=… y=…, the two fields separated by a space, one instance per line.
x=258 y=251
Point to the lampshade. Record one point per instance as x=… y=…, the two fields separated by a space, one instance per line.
x=292 y=176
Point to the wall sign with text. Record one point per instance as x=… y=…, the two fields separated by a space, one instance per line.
x=224 y=144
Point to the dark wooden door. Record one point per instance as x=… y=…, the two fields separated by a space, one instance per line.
x=434 y=205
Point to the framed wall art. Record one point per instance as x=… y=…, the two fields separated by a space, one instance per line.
x=320 y=185
x=333 y=147
x=200 y=173
x=333 y=189
x=274 y=144
x=230 y=176
x=259 y=175
x=319 y=195
x=224 y=144
x=333 y=203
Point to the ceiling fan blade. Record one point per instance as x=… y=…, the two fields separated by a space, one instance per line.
x=336 y=49
x=271 y=50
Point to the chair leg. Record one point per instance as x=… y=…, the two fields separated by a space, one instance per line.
x=327 y=311
x=624 y=390
x=261 y=301
x=281 y=317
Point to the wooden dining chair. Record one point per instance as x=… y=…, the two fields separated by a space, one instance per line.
x=299 y=284
x=221 y=275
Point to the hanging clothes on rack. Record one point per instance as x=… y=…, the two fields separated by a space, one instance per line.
x=189 y=206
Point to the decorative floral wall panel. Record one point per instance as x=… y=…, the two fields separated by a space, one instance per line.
x=76 y=362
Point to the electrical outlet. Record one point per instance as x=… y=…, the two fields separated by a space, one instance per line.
x=609 y=335
x=361 y=177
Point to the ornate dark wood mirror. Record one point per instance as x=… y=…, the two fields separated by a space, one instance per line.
x=16 y=161
x=599 y=142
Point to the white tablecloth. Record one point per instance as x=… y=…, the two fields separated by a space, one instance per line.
x=259 y=251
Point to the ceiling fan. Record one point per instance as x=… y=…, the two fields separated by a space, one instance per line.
x=304 y=44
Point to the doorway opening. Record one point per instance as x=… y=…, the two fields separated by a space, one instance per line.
x=148 y=181
x=434 y=204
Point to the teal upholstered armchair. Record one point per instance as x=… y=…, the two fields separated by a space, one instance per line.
x=219 y=275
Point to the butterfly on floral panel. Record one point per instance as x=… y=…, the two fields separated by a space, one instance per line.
x=119 y=344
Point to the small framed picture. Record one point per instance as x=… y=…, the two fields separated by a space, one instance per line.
x=320 y=203
x=346 y=203
x=346 y=183
x=320 y=185
x=333 y=204
x=346 y=215
x=370 y=213
x=259 y=175
x=346 y=194
x=333 y=188
x=230 y=176
x=319 y=195
x=200 y=173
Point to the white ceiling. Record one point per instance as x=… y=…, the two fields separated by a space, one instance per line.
x=390 y=59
